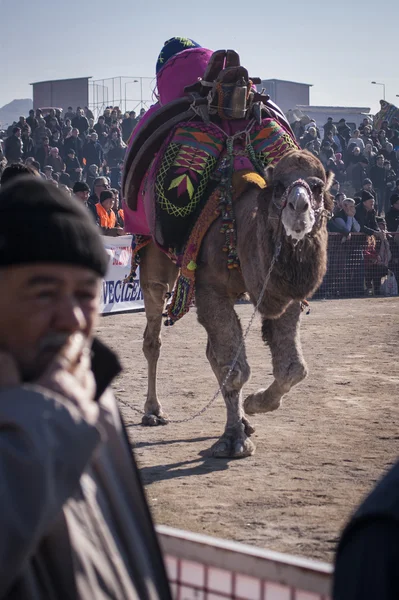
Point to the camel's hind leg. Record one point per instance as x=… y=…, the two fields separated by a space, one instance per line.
x=216 y=313
x=289 y=367
x=157 y=277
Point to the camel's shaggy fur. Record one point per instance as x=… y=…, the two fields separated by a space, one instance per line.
x=297 y=273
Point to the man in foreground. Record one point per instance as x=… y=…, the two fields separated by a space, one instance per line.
x=367 y=560
x=74 y=523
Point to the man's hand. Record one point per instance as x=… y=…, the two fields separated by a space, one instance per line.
x=70 y=375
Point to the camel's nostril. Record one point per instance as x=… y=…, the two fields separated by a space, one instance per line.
x=298 y=230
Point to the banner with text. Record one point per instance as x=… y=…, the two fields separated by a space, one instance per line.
x=117 y=296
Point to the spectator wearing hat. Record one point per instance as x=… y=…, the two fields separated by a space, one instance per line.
x=106 y=216
x=73 y=167
x=74 y=519
x=82 y=191
x=366 y=215
x=368 y=187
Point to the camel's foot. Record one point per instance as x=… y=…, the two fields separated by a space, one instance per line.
x=261 y=402
x=234 y=443
x=151 y=420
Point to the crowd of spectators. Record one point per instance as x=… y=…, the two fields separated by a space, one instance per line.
x=75 y=152
x=85 y=156
x=365 y=163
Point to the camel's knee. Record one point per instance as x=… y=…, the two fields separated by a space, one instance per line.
x=236 y=379
x=290 y=373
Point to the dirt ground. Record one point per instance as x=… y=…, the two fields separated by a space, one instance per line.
x=316 y=457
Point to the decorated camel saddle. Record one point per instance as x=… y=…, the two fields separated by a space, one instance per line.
x=210 y=129
x=388 y=113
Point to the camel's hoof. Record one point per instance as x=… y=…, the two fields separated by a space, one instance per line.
x=150 y=420
x=236 y=445
x=249 y=430
x=260 y=403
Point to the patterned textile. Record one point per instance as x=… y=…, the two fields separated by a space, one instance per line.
x=270 y=142
x=181 y=175
x=387 y=113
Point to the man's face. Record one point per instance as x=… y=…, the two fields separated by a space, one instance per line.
x=396 y=205
x=368 y=204
x=75 y=132
x=108 y=203
x=54 y=152
x=18 y=133
x=56 y=136
x=84 y=195
x=93 y=137
x=367 y=187
x=41 y=307
x=356 y=151
x=46 y=141
x=380 y=162
x=349 y=209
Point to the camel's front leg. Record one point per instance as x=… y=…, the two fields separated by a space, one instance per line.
x=216 y=313
x=289 y=367
x=157 y=277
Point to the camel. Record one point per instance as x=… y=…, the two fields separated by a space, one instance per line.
x=282 y=226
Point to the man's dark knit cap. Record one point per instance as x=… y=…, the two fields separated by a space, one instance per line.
x=40 y=223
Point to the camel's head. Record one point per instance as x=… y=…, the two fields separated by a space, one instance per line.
x=300 y=187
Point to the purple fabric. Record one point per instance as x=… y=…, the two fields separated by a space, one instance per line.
x=183 y=69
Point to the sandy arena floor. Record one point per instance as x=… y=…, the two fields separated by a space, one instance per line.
x=316 y=456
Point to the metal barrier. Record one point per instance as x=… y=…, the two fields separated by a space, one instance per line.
x=205 y=568
x=359 y=266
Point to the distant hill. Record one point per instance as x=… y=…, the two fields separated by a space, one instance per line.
x=12 y=111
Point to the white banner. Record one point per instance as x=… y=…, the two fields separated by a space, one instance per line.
x=117 y=296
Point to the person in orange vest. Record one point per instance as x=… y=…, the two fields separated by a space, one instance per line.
x=106 y=216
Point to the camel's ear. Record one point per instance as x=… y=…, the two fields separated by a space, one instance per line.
x=269 y=175
x=329 y=180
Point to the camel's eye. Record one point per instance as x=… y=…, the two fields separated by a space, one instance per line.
x=317 y=186
x=279 y=189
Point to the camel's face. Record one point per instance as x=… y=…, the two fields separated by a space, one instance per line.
x=300 y=187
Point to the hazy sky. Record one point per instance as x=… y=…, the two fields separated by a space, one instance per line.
x=339 y=47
